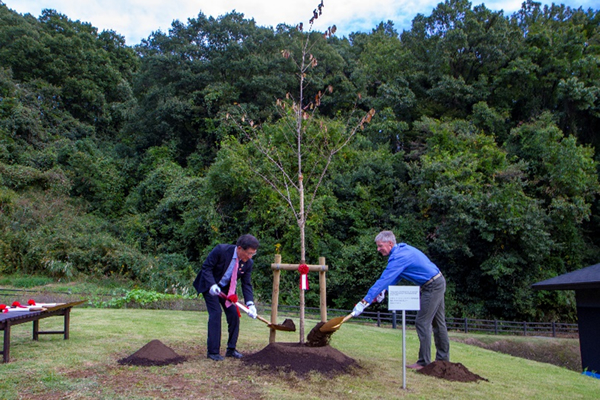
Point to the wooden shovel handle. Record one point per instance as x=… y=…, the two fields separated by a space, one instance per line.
x=346 y=318
x=263 y=320
x=247 y=311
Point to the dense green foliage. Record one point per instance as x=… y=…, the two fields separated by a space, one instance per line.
x=120 y=161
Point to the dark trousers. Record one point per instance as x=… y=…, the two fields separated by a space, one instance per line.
x=214 y=304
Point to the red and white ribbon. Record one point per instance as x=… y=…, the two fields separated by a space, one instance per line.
x=303 y=269
x=231 y=300
x=32 y=306
x=5 y=309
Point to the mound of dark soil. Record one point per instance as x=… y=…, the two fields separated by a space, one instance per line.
x=153 y=353
x=450 y=371
x=301 y=359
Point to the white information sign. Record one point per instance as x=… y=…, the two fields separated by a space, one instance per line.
x=404 y=298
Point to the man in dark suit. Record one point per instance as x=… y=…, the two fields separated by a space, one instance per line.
x=224 y=266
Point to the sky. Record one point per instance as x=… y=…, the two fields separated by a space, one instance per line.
x=137 y=19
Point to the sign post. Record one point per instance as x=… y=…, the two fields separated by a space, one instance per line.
x=404 y=298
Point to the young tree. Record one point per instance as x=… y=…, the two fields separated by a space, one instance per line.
x=293 y=154
x=312 y=140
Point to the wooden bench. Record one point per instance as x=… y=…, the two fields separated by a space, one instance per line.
x=20 y=317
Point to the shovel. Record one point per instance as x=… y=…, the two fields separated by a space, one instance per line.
x=245 y=309
x=334 y=324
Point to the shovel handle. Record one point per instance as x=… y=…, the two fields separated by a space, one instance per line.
x=263 y=320
x=245 y=309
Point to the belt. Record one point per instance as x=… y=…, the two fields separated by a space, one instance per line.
x=432 y=279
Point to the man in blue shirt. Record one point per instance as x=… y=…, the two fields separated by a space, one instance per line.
x=407 y=262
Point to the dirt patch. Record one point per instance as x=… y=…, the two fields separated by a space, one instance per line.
x=561 y=352
x=450 y=371
x=195 y=379
x=155 y=353
x=302 y=359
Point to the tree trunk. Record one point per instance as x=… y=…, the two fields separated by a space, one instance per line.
x=302 y=224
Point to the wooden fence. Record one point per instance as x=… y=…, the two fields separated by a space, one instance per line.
x=467 y=325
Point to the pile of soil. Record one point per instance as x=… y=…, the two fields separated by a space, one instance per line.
x=301 y=359
x=153 y=353
x=450 y=371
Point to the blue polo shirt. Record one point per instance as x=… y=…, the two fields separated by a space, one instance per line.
x=404 y=262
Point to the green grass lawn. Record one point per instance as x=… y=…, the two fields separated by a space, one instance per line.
x=85 y=366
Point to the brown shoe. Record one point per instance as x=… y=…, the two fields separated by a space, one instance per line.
x=414 y=366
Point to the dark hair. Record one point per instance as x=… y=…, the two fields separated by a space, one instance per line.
x=247 y=241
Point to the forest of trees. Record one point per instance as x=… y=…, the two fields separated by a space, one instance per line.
x=126 y=161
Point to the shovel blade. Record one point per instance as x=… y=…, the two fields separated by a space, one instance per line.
x=281 y=328
x=288 y=325
x=332 y=325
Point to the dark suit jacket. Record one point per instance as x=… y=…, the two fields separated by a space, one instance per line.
x=215 y=266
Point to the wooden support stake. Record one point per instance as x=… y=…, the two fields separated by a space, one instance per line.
x=277 y=267
x=275 y=298
x=294 y=267
x=323 y=290
x=301 y=316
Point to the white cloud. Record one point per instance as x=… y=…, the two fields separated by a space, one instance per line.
x=137 y=19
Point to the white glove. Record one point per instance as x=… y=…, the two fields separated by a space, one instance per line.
x=252 y=310
x=381 y=296
x=215 y=290
x=359 y=308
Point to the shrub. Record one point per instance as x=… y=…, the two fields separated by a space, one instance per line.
x=138 y=297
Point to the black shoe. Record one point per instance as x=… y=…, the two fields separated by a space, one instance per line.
x=216 y=357
x=233 y=353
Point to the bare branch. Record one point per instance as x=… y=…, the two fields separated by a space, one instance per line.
x=286 y=196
